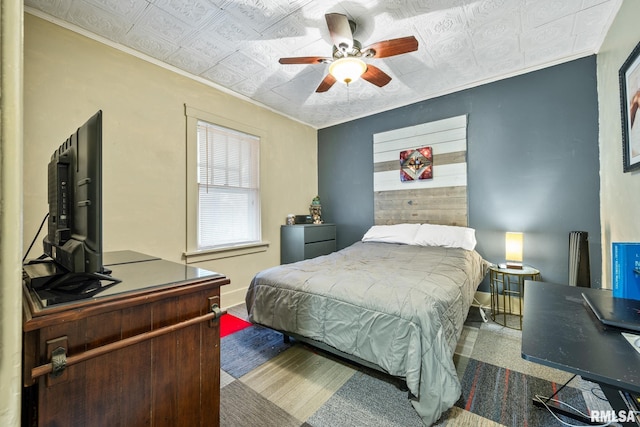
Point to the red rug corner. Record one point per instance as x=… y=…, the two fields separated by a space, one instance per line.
x=230 y=324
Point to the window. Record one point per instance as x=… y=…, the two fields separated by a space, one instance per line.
x=223 y=187
x=228 y=187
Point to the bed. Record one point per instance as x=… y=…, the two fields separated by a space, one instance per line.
x=397 y=300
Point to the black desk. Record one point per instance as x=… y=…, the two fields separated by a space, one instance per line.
x=560 y=331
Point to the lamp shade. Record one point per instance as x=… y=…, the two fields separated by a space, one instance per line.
x=514 y=243
x=347 y=70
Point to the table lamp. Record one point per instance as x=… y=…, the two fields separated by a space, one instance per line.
x=513 y=249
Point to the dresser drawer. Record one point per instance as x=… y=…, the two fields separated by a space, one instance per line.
x=312 y=250
x=304 y=241
x=319 y=233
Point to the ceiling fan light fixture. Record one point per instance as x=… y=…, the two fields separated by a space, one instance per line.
x=347 y=70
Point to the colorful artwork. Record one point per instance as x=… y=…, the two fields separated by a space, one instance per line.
x=416 y=164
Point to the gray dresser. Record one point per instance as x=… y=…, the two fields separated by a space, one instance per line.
x=304 y=241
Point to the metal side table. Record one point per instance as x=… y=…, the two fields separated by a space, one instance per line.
x=507 y=292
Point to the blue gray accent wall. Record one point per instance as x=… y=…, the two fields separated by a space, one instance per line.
x=533 y=164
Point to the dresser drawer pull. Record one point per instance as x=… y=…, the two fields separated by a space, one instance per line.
x=58 y=361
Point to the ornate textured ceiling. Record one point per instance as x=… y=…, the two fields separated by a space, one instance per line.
x=235 y=44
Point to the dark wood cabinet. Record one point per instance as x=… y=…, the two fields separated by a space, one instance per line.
x=145 y=351
x=304 y=241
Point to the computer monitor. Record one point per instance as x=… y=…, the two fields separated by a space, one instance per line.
x=74 y=232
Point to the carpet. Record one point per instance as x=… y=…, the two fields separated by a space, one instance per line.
x=367 y=399
x=504 y=396
x=273 y=383
x=245 y=350
x=230 y=324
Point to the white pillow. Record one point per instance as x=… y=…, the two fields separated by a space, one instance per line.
x=448 y=236
x=396 y=233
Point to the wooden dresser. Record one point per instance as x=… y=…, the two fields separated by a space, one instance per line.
x=143 y=352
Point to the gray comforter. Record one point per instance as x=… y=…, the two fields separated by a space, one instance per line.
x=400 y=307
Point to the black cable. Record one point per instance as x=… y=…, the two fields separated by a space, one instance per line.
x=35 y=237
x=560 y=389
x=594 y=390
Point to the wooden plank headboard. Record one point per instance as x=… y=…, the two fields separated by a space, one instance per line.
x=439 y=200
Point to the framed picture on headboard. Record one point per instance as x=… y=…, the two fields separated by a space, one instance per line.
x=630 y=105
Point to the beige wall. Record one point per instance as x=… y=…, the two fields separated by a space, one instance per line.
x=10 y=211
x=68 y=77
x=619 y=192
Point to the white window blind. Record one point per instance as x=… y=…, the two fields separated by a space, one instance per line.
x=228 y=187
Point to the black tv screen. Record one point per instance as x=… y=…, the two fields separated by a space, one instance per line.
x=74 y=236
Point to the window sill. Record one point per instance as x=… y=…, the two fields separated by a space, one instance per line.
x=225 y=252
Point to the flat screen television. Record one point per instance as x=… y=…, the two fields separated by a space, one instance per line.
x=74 y=223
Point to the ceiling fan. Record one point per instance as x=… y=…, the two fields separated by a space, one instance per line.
x=346 y=63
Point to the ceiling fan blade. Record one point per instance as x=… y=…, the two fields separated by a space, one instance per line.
x=391 y=47
x=304 y=60
x=376 y=76
x=326 y=84
x=340 y=31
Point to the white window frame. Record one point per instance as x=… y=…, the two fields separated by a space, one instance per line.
x=193 y=253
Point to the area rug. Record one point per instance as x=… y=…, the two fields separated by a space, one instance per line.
x=230 y=324
x=505 y=396
x=245 y=350
x=491 y=395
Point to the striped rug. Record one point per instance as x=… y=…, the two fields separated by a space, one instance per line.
x=505 y=396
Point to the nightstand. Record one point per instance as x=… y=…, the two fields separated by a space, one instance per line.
x=304 y=241
x=507 y=291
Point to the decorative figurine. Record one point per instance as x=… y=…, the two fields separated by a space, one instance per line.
x=315 y=209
